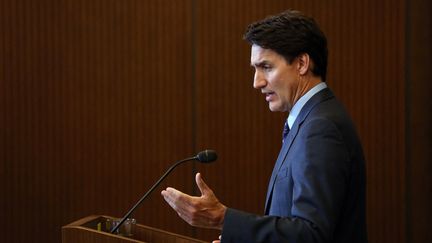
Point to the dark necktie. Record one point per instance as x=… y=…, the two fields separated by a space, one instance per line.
x=285 y=131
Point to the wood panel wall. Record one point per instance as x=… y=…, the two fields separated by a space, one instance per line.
x=419 y=122
x=95 y=105
x=98 y=98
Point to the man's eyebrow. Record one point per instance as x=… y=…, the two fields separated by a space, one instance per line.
x=260 y=64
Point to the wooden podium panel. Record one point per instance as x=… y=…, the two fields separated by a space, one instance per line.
x=86 y=230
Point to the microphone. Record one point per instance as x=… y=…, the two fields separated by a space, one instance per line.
x=206 y=156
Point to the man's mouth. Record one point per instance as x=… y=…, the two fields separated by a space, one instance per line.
x=269 y=96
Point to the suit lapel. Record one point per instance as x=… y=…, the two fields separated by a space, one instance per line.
x=281 y=158
x=319 y=97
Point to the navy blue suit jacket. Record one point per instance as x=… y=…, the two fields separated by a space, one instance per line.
x=316 y=192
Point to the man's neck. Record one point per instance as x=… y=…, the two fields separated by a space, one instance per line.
x=307 y=83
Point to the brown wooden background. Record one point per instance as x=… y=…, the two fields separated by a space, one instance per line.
x=99 y=97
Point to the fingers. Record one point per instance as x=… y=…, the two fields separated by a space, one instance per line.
x=168 y=195
x=202 y=186
x=182 y=203
x=176 y=199
x=205 y=211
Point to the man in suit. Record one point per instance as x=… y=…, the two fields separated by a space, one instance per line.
x=317 y=189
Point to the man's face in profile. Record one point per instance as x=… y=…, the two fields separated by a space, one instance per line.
x=275 y=77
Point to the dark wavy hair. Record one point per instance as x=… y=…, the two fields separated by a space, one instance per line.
x=290 y=34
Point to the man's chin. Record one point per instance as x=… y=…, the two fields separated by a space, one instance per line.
x=274 y=108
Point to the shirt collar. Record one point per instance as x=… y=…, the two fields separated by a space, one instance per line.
x=302 y=101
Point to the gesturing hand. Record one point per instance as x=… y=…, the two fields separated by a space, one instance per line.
x=205 y=211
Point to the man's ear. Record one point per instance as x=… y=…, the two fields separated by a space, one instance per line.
x=304 y=63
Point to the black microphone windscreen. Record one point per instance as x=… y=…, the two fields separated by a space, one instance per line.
x=207 y=156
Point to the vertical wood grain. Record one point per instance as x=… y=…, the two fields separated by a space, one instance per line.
x=95 y=106
x=419 y=121
x=98 y=97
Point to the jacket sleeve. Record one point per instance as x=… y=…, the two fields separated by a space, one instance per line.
x=320 y=173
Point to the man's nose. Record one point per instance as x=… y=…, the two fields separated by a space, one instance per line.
x=259 y=81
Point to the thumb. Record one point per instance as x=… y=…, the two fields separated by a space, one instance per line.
x=204 y=189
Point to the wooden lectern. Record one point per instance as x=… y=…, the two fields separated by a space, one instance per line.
x=89 y=230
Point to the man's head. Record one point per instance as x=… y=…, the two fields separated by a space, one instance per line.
x=290 y=34
x=289 y=54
